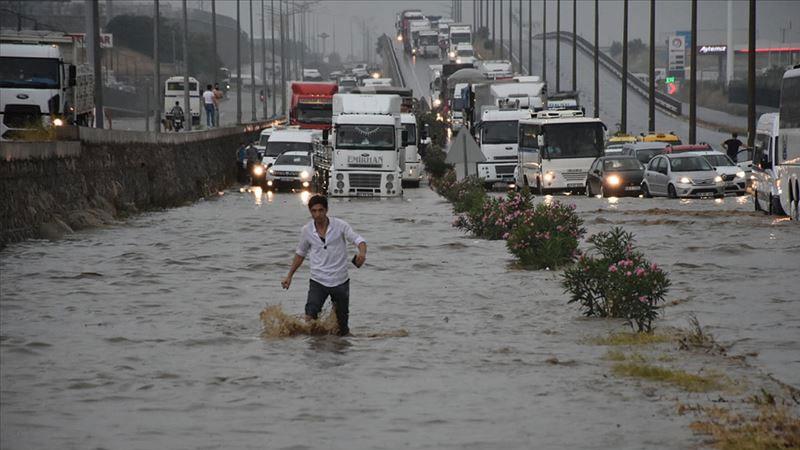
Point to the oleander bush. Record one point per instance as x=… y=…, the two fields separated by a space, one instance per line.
x=497 y=217
x=546 y=235
x=613 y=279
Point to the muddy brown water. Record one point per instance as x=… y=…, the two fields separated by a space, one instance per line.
x=147 y=334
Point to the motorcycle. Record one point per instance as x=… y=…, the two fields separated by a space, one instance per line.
x=177 y=123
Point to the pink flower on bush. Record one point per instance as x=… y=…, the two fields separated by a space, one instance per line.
x=612 y=268
x=628 y=273
x=643 y=299
x=505 y=235
x=640 y=272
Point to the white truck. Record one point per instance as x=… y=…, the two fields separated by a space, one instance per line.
x=173 y=93
x=39 y=89
x=465 y=54
x=367 y=145
x=556 y=149
x=494 y=69
x=531 y=96
x=415 y=27
x=428 y=44
x=497 y=137
x=459 y=34
x=412 y=174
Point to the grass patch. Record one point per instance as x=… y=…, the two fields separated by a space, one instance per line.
x=684 y=380
x=616 y=355
x=629 y=338
x=771 y=428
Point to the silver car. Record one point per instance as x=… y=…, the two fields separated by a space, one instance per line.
x=681 y=175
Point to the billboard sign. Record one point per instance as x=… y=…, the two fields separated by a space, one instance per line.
x=677 y=52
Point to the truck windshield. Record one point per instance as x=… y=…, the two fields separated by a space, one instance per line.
x=467 y=52
x=427 y=39
x=293 y=160
x=314 y=112
x=458 y=38
x=411 y=130
x=35 y=73
x=276 y=148
x=500 y=132
x=573 y=140
x=367 y=137
x=178 y=86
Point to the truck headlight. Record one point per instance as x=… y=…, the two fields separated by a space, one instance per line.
x=390 y=177
x=549 y=176
x=304 y=175
x=740 y=174
x=612 y=180
x=717 y=179
x=452 y=54
x=437 y=102
x=389 y=185
x=399 y=38
x=687 y=180
x=340 y=184
x=340 y=177
x=458 y=60
x=258 y=171
x=58 y=122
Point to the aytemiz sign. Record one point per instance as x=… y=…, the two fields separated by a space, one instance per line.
x=712 y=49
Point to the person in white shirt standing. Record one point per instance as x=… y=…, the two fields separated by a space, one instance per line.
x=324 y=240
x=209 y=101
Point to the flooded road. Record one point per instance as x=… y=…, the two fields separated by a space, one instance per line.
x=147 y=334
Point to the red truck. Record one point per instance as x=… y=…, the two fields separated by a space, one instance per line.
x=312 y=105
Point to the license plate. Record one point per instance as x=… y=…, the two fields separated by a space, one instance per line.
x=574 y=184
x=364 y=194
x=632 y=188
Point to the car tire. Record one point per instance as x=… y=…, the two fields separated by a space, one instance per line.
x=671 y=192
x=775 y=206
x=646 y=191
x=588 y=189
x=603 y=192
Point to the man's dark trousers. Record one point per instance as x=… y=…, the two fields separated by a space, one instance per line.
x=340 y=296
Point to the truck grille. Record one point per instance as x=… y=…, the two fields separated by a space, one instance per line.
x=574 y=176
x=728 y=177
x=365 y=180
x=504 y=170
x=22 y=116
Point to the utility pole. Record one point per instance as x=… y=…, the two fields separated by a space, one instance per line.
x=544 y=40
x=252 y=69
x=238 y=65
x=530 y=37
x=295 y=59
x=501 y=29
x=303 y=37
x=272 y=46
x=651 y=94
x=624 y=107
x=264 y=61
x=693 y=80
x=94 y=34
x=519 y=41
x=494 y=17
x=283 y=60
x=751 y=76
x=187 y=114
x=558 y=45
x=574 y=45
x=596 y=58
x=214 y=39
x=729 y=52
x=156 y=69
x=511 y=33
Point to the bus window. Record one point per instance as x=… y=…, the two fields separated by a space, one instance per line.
x=528 y=139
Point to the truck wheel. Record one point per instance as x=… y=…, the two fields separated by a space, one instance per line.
x=775 y=206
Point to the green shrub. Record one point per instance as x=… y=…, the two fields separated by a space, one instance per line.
x=546 y=236
x=497 y=217
x=614 y=280
x=434 y=161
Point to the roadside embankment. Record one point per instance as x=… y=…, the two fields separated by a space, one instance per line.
x=97 y=176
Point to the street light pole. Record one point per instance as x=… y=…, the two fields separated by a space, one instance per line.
x=188 y=112
x=94 y=9
x=544 y=40
x=574 y=45
x=693 y=80
x=263 y=61
x=238 y=65
x=558 y=45
x=156 y=70
x=624 y=107
x=283 y=60
x=252 y=69
x=751 y=76
x=596 y=58
x=651 y=94
x=501 y=29
x=214 y=39
x=511 y=33
x=530 y=37
x=494 y=17
x=272 y=47
x=519 y=41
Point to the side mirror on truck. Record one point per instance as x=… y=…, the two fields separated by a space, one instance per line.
x=325 y=137
x=423 y=134
x=404 y=137
x=72 y=77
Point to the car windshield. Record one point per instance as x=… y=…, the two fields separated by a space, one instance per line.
x=411 y=130
x=35 y=73
x=719 y=160
x=263 y=140
x=293 y=160
x=645 y=155
x=611 y=165
x=573 y=140
x=314 y=112
x=689 y=164
x=276 y=148
x=499 y=132
x=367 y=137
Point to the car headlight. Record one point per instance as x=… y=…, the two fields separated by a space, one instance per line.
x=549 y=176
x=437 y=102
x=740 y=174
x=452 y=54
x=612 y=180
x=271 y=171
x=686 y=180
x=58 y=122
x=304 y=175
x=413 y=51
x=717 y=179
x=258 y=170
x=458 y=60
x=399 y=38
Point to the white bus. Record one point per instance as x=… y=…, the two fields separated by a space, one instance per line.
x=556 y=149
x=173 y=92
x=788 y=157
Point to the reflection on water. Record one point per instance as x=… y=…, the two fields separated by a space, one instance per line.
x=304 y=196
x=257 y=193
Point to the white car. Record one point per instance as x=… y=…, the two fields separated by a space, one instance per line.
x=681 y=175
x=733 y=175
x=464 y=54
x=292 y=169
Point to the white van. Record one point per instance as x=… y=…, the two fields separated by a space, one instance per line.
x=765 y=186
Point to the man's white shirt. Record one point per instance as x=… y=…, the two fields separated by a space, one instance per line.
x=328 y=259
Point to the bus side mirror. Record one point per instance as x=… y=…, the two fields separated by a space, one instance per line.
x=325 y=137
x=72 y=78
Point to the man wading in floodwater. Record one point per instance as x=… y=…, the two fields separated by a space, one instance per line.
x=325 y=239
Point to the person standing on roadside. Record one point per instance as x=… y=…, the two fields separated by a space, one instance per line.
x=324 y=240
x=210 y=103
x=732 y=146
x=218 y=94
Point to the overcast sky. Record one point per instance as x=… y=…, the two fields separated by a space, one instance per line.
x=671 y=15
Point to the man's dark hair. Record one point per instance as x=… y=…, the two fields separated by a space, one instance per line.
x=735 y=135
x=318 y=199
x=208 y=86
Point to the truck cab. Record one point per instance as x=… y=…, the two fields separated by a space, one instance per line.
x=367 y=146
x=766 y=192
x=312 y=75
x=311 y=104
x=498 y=140
x=412 y=174
x=459 y=34
x=173 y=92
x=428 y=44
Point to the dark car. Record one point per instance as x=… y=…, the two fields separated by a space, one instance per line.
x=614 y=176
x=643 y=151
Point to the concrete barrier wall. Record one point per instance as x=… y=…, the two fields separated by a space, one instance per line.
x=51 y=188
